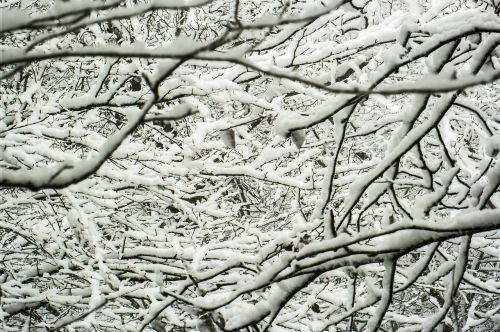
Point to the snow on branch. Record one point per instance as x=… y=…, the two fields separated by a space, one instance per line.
x=210 y=165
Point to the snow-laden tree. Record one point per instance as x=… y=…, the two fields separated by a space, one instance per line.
x=281 y=165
